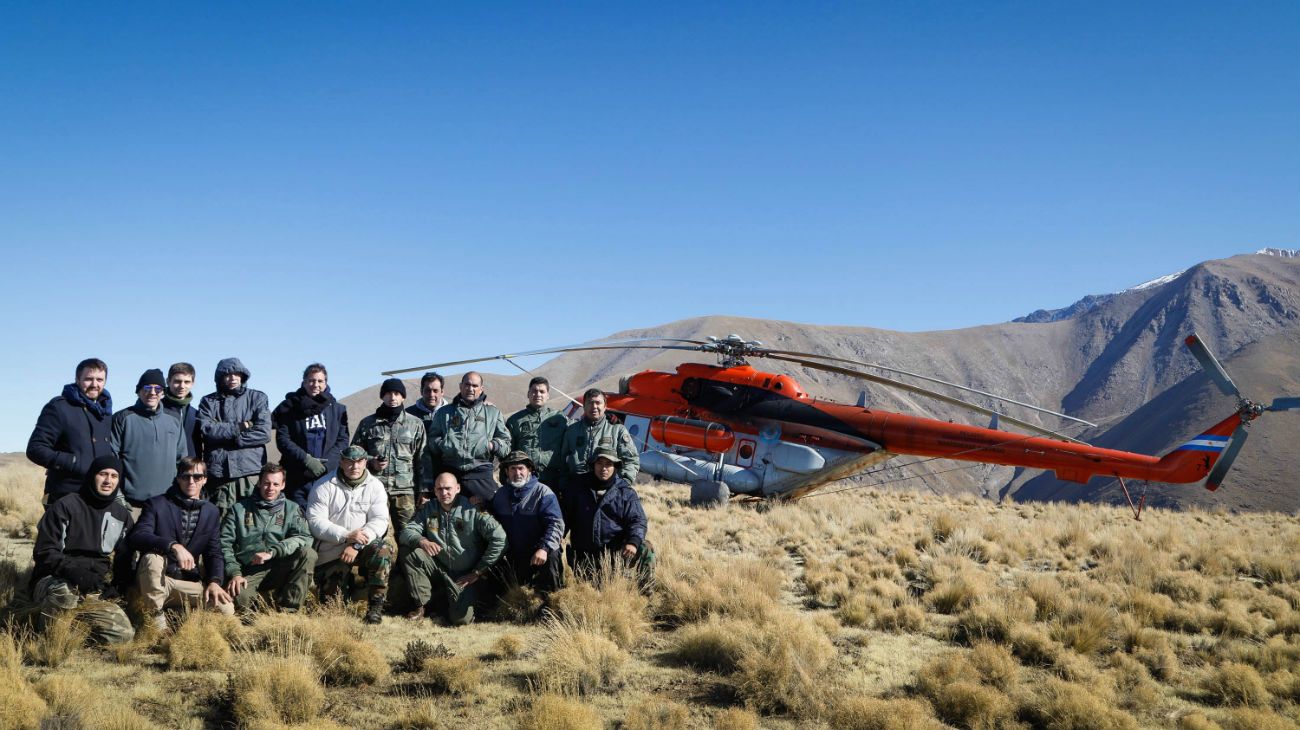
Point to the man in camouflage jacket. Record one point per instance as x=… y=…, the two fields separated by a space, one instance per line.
x=394 y=440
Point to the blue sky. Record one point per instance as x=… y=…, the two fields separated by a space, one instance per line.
x=376 y=185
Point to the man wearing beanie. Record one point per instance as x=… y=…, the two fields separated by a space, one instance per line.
x=72 y=430
x=468 y=434
x=348 y=516
x=148 y=441
x=235 y=423
x=394 y=440
x=81 y=552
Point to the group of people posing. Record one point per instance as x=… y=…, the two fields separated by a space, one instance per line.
x=171 y=506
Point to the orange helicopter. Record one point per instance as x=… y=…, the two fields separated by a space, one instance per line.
x=729 y=429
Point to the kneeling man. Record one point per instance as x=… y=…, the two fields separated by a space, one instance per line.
x=449 y=546
x=267 y=546
x=348 y=516
x=178 y=537
x=530 y=514
x=605 y=518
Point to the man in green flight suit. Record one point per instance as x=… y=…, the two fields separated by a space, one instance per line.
x=538 y=430
x=267 y=546
x=468 y=435
x=596 y=431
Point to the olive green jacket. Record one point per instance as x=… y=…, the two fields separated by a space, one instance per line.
x=249 y=528
x=581 y=439
x=401 y=441
x=538 y=432
x=463 y=437
x=470 y=540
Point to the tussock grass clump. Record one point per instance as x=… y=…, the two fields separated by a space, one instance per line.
x=425 y=715
x=992 y=618
x=786 y=667
x=611 y=602
x=21 y=707
x=735 y=718
x=1246 y=718
x=518 y=605
x=74 y=703
x=995 y=664
x=715 y=643
x=1059 y=704
x=578 y=660
x=55 y=643
x=281 y=689
x=955 y=592
x=853 y=712
x=1184 y=586
x=1236 y=684
x=949 y=682
x=456 y=675
x=657 y=713
x=509 y=646
x=346 y=660
x=745 y=588
x=1033 y=646
x=1276 y=569
x=1085 y=627
x=1197 y=721
x=555 y=712
x=200 y=643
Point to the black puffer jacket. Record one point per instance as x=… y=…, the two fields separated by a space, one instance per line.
x=164 y=522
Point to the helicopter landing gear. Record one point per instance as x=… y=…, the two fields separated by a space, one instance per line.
x=709 y=494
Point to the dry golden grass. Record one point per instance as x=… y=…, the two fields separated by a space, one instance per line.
x=553 y=712
x=346 y=660
x=714 y=643
x=610 y=601
x=657 y=713
x=735 y=718
x=275 y=689
x=509 y=646
x=455 y=675
x=55 y=643
x=786 y=668
x=579 y=659
x=870 y=713
x=202 y=641
x=21 y=707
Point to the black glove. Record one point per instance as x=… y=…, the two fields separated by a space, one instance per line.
x=315 y=467
x=85 y=578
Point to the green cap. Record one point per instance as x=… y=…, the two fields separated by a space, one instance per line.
x=518 y=457
x=603 y=453
x=354 y=453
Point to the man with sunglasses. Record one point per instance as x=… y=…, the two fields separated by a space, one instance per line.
x=148 y=442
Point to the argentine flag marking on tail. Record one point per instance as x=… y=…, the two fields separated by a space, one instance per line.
x=1205 y=442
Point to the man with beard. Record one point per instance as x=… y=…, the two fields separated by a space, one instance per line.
x=468 y=433
x=538 y=429
x=79 y=541
x=596 y=430
x=431 y=399
x=605 y=518
x=267 y=546
x=348 y=516
x=176 y=403
x=530 y=514
x=236 y=425
x=148 y=442
x=449 y=546
x=179 y=541
x=394 y=440
x=311 y=430
x=73 y=431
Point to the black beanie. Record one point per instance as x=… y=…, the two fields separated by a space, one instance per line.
x=393 y=385
x=152 y=376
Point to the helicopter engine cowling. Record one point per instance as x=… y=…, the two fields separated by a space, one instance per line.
x=689 y=433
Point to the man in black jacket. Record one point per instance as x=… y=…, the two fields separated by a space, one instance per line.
x=605 y=518
x=81 y=552
x=72 y=431
x=179 y=540
x=311 y=430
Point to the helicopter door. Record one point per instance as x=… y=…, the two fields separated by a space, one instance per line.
x=745 y=452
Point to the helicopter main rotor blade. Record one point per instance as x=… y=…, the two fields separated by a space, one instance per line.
x=597 y=345
x=925 y=392
x=986 y=394
x=1284 y=404
x=1224 y=463
x=1212 y=366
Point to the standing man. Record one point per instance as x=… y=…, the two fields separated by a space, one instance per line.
x=449 y=545
x=267 y=546
x=467 y=435
x=179 y=541
x=530 y=514
x=176 y=402
x=538 y=430
x=81 y=552
x=311 y=430
x=595 y=430
x=605 y=517
x=394 y=440
x=236 y=424
x=72 y=431
x=348 y=516
x=148 y=442
x=430 y=401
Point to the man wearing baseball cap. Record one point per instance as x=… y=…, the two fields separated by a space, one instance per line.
x=348 y=516
x=605 y=517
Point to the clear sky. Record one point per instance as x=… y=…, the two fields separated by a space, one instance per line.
x=383 y=184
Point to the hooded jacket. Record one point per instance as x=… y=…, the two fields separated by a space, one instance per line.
x=531 y=517
x=335 y=509
x=297 y=414
x=68 y=436
x=471 y=541
x=162 y=524
x=231 y=451
x=149 y=443
x=466 y=436
x=77 y=535
x=251 y=526
x=603 y=521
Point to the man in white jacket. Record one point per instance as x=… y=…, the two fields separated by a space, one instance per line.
x=348 y=516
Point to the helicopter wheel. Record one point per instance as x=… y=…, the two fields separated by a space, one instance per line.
x=709 y=494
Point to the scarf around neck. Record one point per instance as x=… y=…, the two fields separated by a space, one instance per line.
x=102 y=406
x=181 y=403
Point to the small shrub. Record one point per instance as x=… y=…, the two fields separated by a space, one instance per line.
x=509 y=646
x=853 y=712
x=735 y=718
x=657 y=713
x=578 y=660
x=553 y=712
x=519 y=604
x=712 y=644
x=419 y=651
x=283 y=689
x=1236 y=684
x=453 y=675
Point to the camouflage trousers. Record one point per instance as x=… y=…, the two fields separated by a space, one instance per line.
x=281 y=582
x=107 y=621
x=428 y=582
x=401 y=508
x=372 y=565
x=225 y=492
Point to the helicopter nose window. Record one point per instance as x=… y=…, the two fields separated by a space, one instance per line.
x=634 y=429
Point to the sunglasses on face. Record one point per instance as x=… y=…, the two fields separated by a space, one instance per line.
x=152 y=389
x=194 y=477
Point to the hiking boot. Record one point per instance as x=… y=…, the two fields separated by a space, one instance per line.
x=375 y=612
x=416 y=615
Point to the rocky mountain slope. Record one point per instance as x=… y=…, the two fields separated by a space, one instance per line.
x=1117 y=360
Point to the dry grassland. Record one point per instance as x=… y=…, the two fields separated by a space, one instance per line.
x=861 y=610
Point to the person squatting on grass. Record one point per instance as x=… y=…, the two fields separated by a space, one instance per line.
x=73 y=430
x=348 y=516
x=236 y=424
x=530 y=514
x=605 y=518
x=447 y=548
x=181 y=565
x=394 y=440
x=311 y=430
x=81 y=553
x=267 y=546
